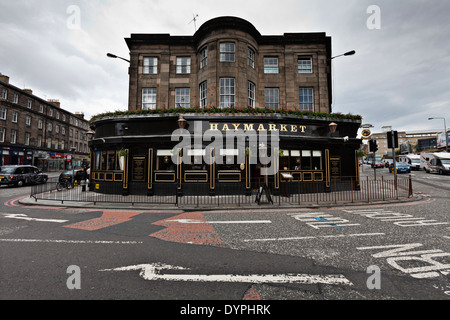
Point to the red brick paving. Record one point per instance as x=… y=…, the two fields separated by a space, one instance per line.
x=194 y=233
x=108 y=219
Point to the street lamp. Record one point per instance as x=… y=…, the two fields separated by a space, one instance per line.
x=445 y=131
x=110 y=55
x=350 y=53
x=73 y=149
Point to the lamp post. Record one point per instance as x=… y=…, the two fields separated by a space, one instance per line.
x=445 y=131
x=349 y=53
x=73 y=149
x=110 y=55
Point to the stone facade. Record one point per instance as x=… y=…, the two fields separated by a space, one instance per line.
x=245 y=65
x=37 y=131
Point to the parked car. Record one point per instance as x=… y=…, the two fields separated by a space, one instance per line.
x=68 y=175
x=377 y=164
x=402 y=167
x=19 y=175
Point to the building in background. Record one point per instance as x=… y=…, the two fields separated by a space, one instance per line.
x=408 y=141
x=39 y=132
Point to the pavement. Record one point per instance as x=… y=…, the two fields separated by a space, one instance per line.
x=30 y=201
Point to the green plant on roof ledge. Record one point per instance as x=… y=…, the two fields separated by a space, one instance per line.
x=229 y=110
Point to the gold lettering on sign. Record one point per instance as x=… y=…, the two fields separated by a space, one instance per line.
x=248 y=127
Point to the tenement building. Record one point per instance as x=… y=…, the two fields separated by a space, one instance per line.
x=225 y=106
x=39 y=132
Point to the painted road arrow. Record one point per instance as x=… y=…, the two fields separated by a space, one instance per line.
x=153 y=272
x=21 y=216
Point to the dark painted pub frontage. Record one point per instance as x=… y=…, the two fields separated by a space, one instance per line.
x=141 y=154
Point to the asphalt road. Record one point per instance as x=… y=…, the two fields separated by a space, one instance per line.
x=383 y=252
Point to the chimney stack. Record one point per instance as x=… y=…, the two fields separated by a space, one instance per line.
x=55 y=102
x=4 y=78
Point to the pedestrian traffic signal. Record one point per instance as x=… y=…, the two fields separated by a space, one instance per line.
x=389 y=139
x=373 y=146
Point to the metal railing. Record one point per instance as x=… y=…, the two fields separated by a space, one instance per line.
x=342 y=190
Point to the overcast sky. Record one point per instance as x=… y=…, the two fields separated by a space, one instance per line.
x=399 y=77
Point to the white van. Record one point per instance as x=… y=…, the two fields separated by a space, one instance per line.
x=435 y=162
x=412 y=159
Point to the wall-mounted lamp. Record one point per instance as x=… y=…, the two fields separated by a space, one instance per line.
x=181 y=122
x=333 y=127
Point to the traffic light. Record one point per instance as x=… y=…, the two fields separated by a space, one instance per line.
x=373 y=146
x=389 y=139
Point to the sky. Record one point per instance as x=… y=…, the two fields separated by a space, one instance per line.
x=399 y=76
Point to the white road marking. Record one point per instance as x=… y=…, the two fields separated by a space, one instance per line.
x=316 y=237
x=220 y=222
x=69 y=241
x=21 y=216
x=152 y=272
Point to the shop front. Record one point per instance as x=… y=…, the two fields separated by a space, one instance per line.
x=205 y=153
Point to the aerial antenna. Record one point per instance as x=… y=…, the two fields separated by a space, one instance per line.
x=195 y=20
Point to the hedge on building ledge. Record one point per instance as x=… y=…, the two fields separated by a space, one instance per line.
x=236 y=110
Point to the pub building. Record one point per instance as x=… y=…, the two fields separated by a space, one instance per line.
x=272 y=92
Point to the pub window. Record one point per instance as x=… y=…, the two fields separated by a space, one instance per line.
x=227 y=50
x=182 y=97
x=203 y=58
x=230 y=159
x=164 y=160
x=251 y=94
x=97 y=160
x=149 y=98
x=295 y=161
x=316 y=160
x=270 y=65
x=183 y=65
x=102 y=160
x=112 y=159
x=226 y=92
x=304 y=65
x=306 y=99
x=203 y=94
x=251 y=58
x=196 y=159
x=150 y=65
x=306 y=160
x=284 y=159
x=272 y=98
